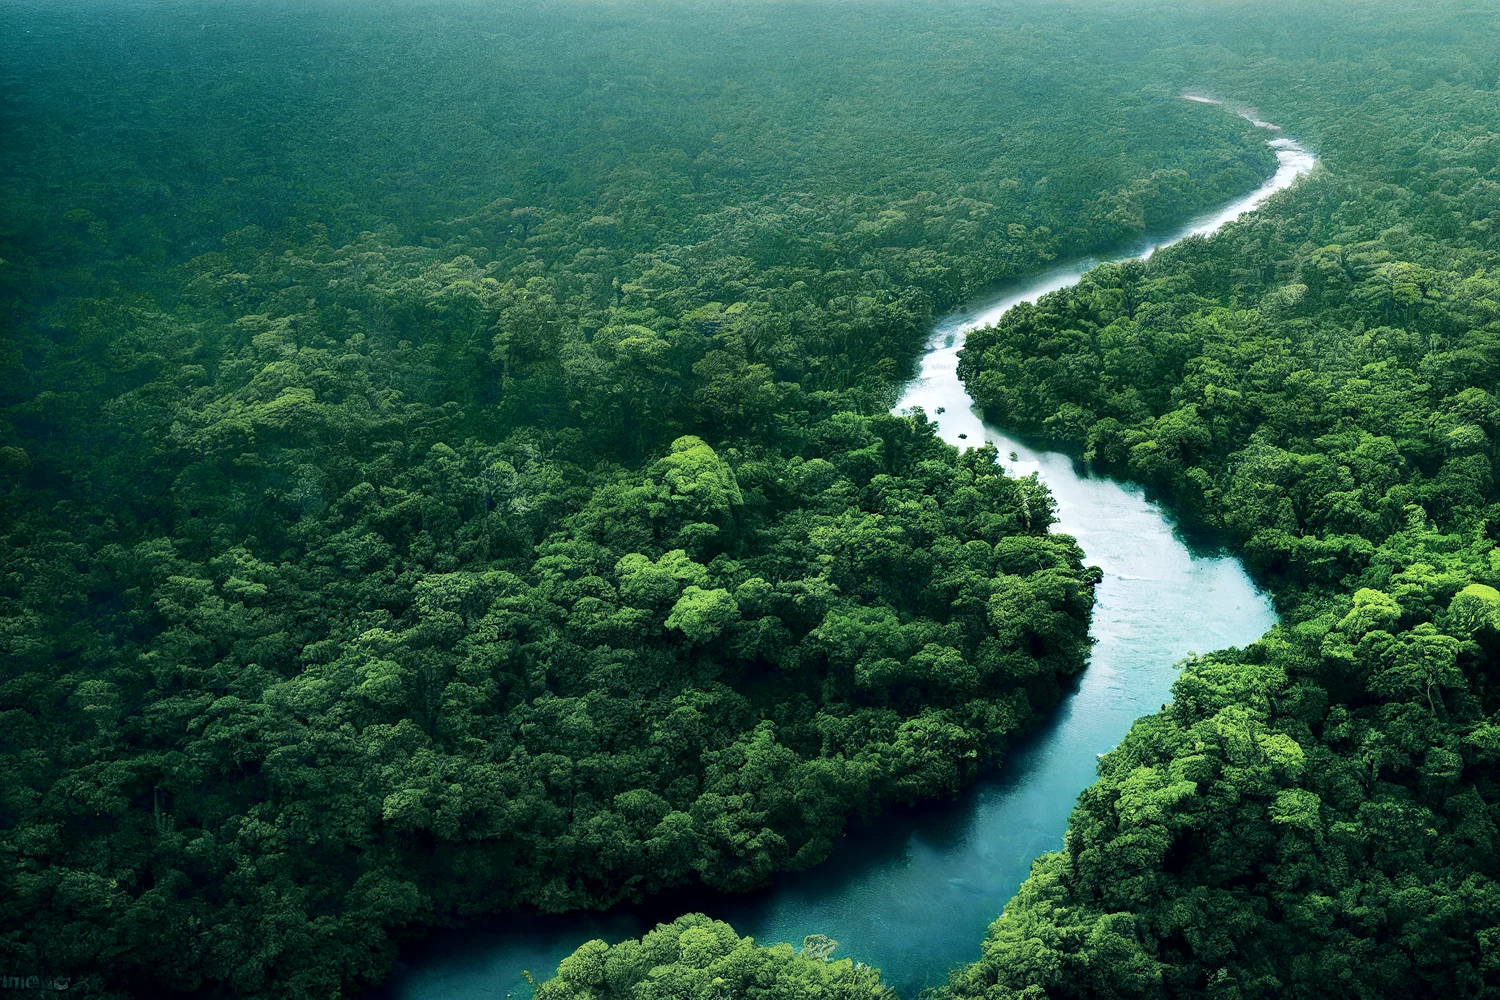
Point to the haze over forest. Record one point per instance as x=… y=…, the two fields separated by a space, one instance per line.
x=448 y=470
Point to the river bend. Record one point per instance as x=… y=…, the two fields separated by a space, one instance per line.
x=913 y=894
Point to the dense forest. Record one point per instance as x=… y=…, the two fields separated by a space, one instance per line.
x=447 y=470
x=695 y=958
x=460 y=480
x=1314 y=816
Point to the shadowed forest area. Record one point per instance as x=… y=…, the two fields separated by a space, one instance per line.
x=447 y=470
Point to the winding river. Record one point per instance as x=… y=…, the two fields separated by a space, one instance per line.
x=913 y=894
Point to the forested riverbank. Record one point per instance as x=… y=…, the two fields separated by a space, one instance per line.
x=446 y=472
x=457 y=480
x=1314 y=815
x=908 y=888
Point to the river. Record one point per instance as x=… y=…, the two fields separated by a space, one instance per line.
x=914 y=893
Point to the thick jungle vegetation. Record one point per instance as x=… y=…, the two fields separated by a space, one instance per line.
x=446 y=470
x=695 y=958
x=447 y=465
x=1314 y=816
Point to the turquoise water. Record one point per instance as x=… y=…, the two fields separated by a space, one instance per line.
x=913 y=893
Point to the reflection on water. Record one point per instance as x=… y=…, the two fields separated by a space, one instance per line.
x=913 y=893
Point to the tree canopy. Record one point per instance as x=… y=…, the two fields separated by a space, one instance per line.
x=447 y=469
x=1314 y=816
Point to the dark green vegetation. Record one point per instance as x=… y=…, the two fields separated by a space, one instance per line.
x=446 y=471
x=695 y=958
x=446 y=466
x=1314 y=816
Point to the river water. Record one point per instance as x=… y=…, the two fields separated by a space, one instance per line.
x=914 y=893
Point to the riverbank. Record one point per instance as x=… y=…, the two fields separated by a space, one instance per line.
x=912 y=894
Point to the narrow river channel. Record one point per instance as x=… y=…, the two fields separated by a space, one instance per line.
x=914 y=893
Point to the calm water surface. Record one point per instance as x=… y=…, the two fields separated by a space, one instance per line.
x=913 y=894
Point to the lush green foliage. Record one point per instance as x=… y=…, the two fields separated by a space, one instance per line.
x=1314 y=816
x=695 y=958
x=447 y=468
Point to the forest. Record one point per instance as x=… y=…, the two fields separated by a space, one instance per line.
x=447 y=470
x=1315 y=815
